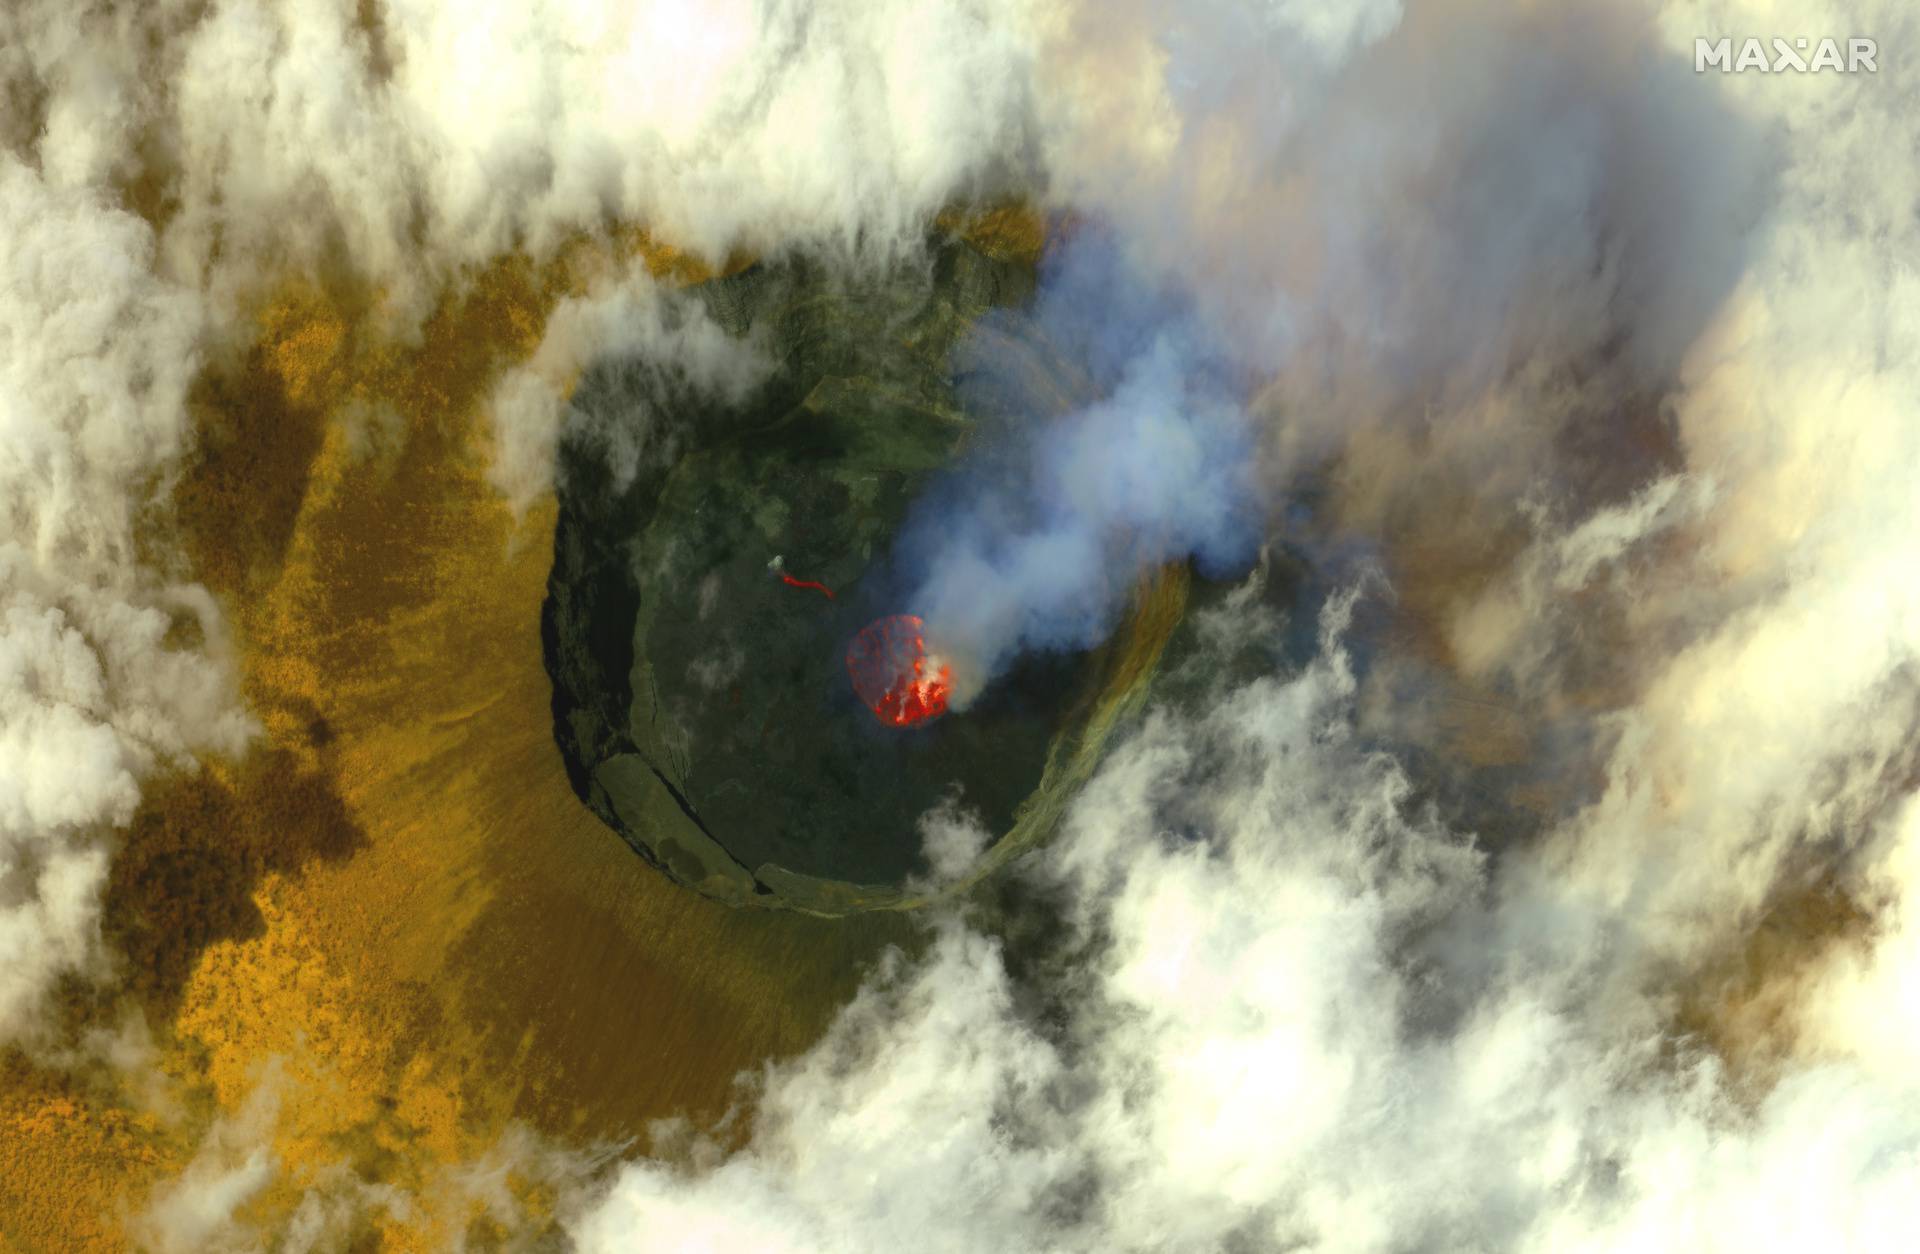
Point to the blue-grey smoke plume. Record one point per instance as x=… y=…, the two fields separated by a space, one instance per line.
x=1038 y=538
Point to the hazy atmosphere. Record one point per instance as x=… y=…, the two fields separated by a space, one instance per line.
x=1398 y=721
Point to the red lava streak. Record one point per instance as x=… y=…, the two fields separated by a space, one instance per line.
x=893 y=674
x=816 y=585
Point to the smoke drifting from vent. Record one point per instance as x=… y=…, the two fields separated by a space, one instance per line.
x=1610 y=367
x=1483 y=229
x=1037 y=541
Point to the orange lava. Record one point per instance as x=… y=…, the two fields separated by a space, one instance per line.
x=893 y=674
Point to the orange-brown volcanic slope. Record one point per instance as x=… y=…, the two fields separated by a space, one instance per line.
x=394 y=912
x=393 y=916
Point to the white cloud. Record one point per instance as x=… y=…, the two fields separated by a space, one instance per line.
x=95 y=357
x=1292 y=1009
x=628 y=318
x=201 y=1208
x=1300 y=1030
x=446 y=135
x=1863 y=1004
x=265 y=140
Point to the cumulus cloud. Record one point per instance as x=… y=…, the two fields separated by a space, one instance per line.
x=1772 y=734
x=202 y=1208
x=1292 y=1005
x=221 y=1200
x=407 y=139
x=671 y=348
x=95 y=691
x=741 y=124
x=1457 y=286
x=1291 y=1009
x=163 y=163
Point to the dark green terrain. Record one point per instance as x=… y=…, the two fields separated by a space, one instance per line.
x=701 y=703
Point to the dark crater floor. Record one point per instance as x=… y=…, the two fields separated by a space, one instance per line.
x=702 y=705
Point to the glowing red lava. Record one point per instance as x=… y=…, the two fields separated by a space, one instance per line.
x=893 y=674
x=815 y=584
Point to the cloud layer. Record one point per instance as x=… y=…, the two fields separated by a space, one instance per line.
x=1608 y=367
x=161 y=167
x=96 y=688
x=1523 y=284
x=1314 y=1023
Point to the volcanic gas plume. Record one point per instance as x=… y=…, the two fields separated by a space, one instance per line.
x=1413 y=503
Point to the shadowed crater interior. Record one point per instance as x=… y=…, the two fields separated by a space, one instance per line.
x=702 y=702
